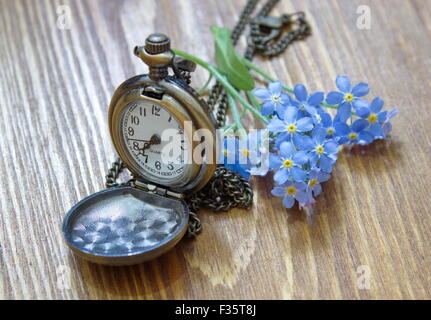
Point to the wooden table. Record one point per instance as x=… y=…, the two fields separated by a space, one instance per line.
x=374 y=219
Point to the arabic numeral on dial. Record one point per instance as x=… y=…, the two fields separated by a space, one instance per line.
x=136 y=146
x=171 y=166
x=135 y=120
x=156 y=111
x=130 y=131
x=158 y=165
x=142 y=111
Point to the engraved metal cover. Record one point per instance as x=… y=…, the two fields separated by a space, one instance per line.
x=115 y=225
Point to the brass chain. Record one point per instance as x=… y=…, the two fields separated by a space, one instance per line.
x=228 y=189
x=266 y=38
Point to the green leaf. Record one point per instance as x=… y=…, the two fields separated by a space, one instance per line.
x=229 y=62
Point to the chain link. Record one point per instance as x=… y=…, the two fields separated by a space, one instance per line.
x=228 y=189
x=258 y=42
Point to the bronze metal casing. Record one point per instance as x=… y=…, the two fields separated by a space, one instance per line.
x=184 y=103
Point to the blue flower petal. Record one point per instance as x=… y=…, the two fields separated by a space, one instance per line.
x=392 y=113
x=331 y=147
x=276 y=125
x=334 y=98
x=300 y=158
x=298 y=174
x=361 y=89
x=343 y=84
x=282 y=137
x=319 y=135
x=316 y=98
x=302 y=142
x=290 y=115
x=281 y=176
x=383 y=116
x=326 y=164
x=322 y=176
x=387 y=128
x=300 y=92
x=275 y=88
x=344 y=112
x=365 y=137
x=281 y=109
x=267 y=108
x=300 y=185
x=326 y=119
x=359 y=125
x=285 y=99
x=304 y=124
x=286 y=150
x=363 y=112
x=288 y=201
x=278 y=192
x=360 y=103
x=274 y=161
x=341 y=129
x=376 y=105
x=312 y=110
x=302 y=197
x=376 y=129
x=262 y=93
x=317 y=189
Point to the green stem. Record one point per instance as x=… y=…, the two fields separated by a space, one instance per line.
x=250 y=65
x=229 y=128
x=236 y=115
x=253 y=100
x=203 y=88
x=229 y=88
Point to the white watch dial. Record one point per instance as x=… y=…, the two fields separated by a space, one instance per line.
x=142 y=126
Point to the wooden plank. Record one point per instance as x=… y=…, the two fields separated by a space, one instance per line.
x=55 y=148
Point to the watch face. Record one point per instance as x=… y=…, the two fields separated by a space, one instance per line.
x=155 y=141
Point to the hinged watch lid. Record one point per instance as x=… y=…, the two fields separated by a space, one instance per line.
x=124 y=225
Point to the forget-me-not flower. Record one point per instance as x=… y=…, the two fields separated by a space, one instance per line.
x=289 y=163
x=355 y=133
x=274 y=99
x=315 y=179
x=305 y=102
x=378 y=119
x=322 y=150
x=290 y=192
x=291 y=125
x=347 y=96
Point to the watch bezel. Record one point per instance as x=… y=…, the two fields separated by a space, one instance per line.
x=183 y=102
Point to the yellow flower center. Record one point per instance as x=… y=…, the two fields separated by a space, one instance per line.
x=330 y=131
x=287 y=163
x=275 y=99
x=312 y=182
x=353 y=135
x=245 y=152
x=291 y=128
x=225 y=153
x=290 y=190
x=372 y=118
x=348 y=97
x=320 y=149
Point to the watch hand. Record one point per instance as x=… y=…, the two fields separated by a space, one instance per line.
x=155 y=139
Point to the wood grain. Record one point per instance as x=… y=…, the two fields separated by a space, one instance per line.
x=55 y=86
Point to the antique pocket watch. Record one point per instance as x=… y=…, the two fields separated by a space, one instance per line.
x=137 y=222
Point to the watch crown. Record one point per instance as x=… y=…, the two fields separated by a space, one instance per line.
x=157 y=43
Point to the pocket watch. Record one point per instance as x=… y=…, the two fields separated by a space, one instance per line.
x=141 y=220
